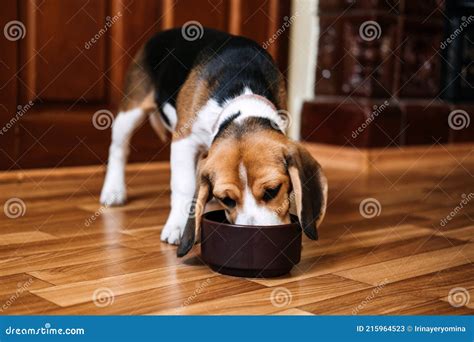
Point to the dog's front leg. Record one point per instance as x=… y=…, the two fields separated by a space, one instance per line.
x=183 y=183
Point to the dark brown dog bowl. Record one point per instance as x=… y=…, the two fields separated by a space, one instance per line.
x=249 y=251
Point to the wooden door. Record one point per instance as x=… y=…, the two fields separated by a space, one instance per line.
x=63 y=61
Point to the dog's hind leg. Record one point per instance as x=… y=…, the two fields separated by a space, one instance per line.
x=137 y=103
x=114 y=191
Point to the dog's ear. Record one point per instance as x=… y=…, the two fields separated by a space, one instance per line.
x=310 y=188
x=192 y=230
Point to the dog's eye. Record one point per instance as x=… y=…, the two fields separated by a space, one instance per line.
x=270 y=194
x=228 y=202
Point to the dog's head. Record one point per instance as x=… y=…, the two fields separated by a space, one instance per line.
x=255 y=172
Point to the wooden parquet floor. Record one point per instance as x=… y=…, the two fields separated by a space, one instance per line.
x=65 y=254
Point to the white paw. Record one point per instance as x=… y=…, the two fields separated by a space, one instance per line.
x=113 y=195
x=171 y=233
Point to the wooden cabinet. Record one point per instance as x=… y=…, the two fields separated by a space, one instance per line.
x=379 y=79
x=69 y=62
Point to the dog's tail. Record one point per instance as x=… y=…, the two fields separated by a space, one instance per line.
x=139 y=92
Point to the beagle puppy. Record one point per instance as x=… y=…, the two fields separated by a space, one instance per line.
x=222 y=97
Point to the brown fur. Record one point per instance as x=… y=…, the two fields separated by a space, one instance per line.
x=264 y=170
x=260 y=149
x=191 y=98
x=270 y=159
x=310 y=188
x=282 y=93
x=138 y=85
x=195 y=93
x=139 y=92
